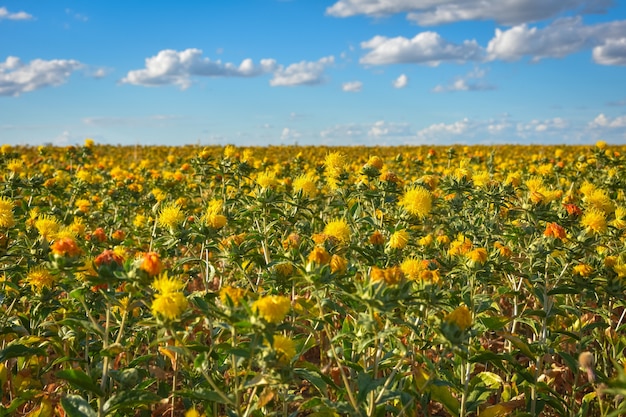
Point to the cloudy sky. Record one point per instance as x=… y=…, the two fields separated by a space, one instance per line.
x=331 y=72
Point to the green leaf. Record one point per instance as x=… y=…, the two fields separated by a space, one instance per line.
x=520 y=344
x=81 y=380
x=77 y=406
x=18 y=351
x=494 y=323
x=130 y=399
x=313 y=377
x=202 y=395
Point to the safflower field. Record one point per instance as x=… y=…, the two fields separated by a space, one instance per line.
x=311 y=281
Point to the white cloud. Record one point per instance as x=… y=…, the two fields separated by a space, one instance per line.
x=289 y=134
x=561 y=38
x=5 y=14
x=77 y=16
x=17 y=78
x=170 y=67
x=466 y=83
x=126 y=121
x=352 y=86
x=611 y=52
x=439 y=131
x=601 y=121
x=382 y=128
x=435 y=12
x=425 y=48
x=401 y=82
x=524 y=130
x=506 y=12
x=302 y=73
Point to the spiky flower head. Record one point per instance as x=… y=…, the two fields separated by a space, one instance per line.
x=338 y=229
x=334 y=164
x=39 y=278
x=306 y=184
x=399 y=239
x=417 y=201
x=6 y=213
x=169 y=302
x=284 y=347
x=272 y=308
x=461 y=316
x=47 y=226
x=594 y=221
x=171 y=215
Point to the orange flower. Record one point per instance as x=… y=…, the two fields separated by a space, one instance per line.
x=65 y=246
x=555 y=230
x=152 y=264
x=108 y=257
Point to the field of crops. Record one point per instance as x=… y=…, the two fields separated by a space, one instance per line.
x=311 y=281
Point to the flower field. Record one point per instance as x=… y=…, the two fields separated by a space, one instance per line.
x=311 y=281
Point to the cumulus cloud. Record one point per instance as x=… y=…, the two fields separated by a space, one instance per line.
x=425 y=48
x=382 y=128
x=436 y=12
x=506 y=12
x=559 y=39
x=289 y=134
x=469 y=82
x=170 y=67
x=301 y=73
x=602 y=121
x=352 y=86
x=400 y=82
x=439 y=131
x=526 y=129
x=17 y=77
x=6 y=14
x=611 y=52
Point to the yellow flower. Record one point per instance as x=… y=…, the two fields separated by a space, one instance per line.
x=599 y=200
x=6 y=213
x=411 y=268
x=583 y=270
x=266 y=180
x=319 y=255
x=89 y=143
x=230 y=151
x=338 y=229
x=478 y=255
x=15 y=165
x=461 y=316
x=47 y=226
x=285 y=348
x=594 y=221
x=272 y=308
x=284 y=269
x=234 y=294
x=213 y=216
x=83 y=205
x=192 y=412
x=171 y=216
x=390 y=276
x=38 y=278
x=169 y=301
x=620 y=218
x=399 y=239
x=376 y=162
x=338 y=264
x=166 y=285
x=417 y=201
x=334 y=164
x=305 y=184
x=170 y=305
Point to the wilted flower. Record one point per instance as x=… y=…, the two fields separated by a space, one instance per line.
x=376 y=238
x=555 y=230
x=319 y=255
x=338 y=264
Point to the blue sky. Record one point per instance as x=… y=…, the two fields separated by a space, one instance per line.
x=337 y=72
